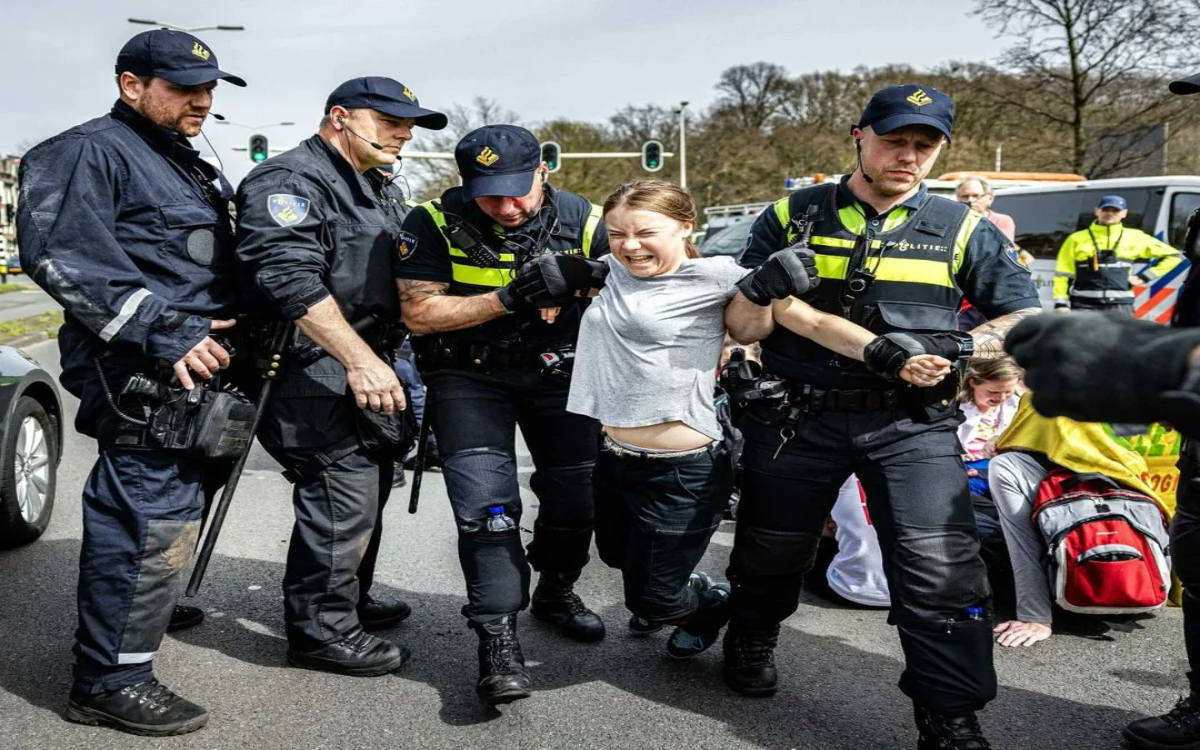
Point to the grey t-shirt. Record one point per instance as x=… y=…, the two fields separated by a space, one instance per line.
x=649 y=348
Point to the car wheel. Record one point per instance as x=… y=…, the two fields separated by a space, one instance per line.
x=27 y=474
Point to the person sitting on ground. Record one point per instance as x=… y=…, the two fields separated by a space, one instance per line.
x=1028 y=450
x=989 y=402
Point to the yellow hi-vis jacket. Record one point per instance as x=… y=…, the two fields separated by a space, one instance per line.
x=1094 y=264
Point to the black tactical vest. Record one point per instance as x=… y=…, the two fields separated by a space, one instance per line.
x=912 y=266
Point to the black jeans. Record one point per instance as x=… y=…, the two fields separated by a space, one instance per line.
x=916 y=491
x=475 y=417
x=654 y=519
x=1185 y=553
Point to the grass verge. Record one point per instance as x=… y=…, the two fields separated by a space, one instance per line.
x=48 y=322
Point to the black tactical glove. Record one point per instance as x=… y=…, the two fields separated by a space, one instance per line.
x=790 y=271
x=1103 y=367
x=886 y=355
x=551 y=279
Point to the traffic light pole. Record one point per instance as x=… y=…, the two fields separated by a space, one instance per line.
x=608 y=155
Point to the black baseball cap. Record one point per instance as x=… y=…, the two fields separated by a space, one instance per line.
x=174 y=56
x=1189 y=85
x=895 y=107
x=385 y=95
x=498 y=160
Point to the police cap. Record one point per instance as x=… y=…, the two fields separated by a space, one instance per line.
x=174 y=56
x=895 y=107
x=385 y=95
x=498 y=160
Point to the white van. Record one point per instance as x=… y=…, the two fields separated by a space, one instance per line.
x=1160 y=206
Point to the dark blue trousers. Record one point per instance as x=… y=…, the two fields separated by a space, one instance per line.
x=141 y=519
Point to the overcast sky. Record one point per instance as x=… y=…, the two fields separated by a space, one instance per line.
x=543 y=59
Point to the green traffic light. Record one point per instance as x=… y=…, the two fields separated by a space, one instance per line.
x=259 y=156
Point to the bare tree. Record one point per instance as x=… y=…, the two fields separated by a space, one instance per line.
x=753 y=93
x=633 y=126
x=1081 y=63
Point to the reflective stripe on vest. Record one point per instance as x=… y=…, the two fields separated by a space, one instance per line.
x=892 y=266
x=589 y=229
x=465 y=272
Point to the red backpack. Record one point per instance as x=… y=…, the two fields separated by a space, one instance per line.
x=1108 y=544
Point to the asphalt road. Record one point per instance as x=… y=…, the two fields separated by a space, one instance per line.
x=839 y=666
x=25 y=303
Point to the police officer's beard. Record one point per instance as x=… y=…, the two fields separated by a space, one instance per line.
x=167 y=117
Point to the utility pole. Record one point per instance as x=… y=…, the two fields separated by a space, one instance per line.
x=683 y=145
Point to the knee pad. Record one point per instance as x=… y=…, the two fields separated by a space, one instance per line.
x=938 y=574
x=565 y=492
x=496 y=572
x=477 y=479
x=759 y=552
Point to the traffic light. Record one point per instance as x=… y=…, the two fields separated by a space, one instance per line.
x=258 y=149
x=652 y=156
x=551 y=155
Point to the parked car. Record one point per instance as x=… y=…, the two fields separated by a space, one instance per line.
x=30 y=447
x=729 y=241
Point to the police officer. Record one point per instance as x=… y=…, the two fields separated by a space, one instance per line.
x=128 y=229
x=1104 y=368
x=1095 y=265
x=491 y=363
x=317 y=228
x=897 y=261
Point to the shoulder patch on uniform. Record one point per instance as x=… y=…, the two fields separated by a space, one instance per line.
x=287 y=210
x=406 y=245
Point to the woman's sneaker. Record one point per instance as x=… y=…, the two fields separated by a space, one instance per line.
x=704 y=627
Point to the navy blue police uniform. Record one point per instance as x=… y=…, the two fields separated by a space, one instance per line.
x=311 y=227
x=904 y=270
x=123 y=224
x=486 y=380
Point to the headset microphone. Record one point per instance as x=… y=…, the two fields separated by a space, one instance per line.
x=372 y=144
x=858 y=148
x=215 y=116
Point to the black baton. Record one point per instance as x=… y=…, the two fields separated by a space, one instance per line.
x=281 y=342
x=414 y=497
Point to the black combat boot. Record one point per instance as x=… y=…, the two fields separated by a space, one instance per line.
x=1178 y=729
x=148 y=708
x=358 y=653
x=502 y=675
x=379 y=614
x=750 y=661
x=183 y=617
x=555 y=601
x=948 y=731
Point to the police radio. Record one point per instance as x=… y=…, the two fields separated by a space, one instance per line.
x=476 y=249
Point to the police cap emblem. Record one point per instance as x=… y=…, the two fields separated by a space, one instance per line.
x=287 y=210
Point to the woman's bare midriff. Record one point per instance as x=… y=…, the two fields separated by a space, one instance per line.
x=669 y=436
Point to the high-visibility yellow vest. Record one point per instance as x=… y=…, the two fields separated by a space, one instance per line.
x=576 y=223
